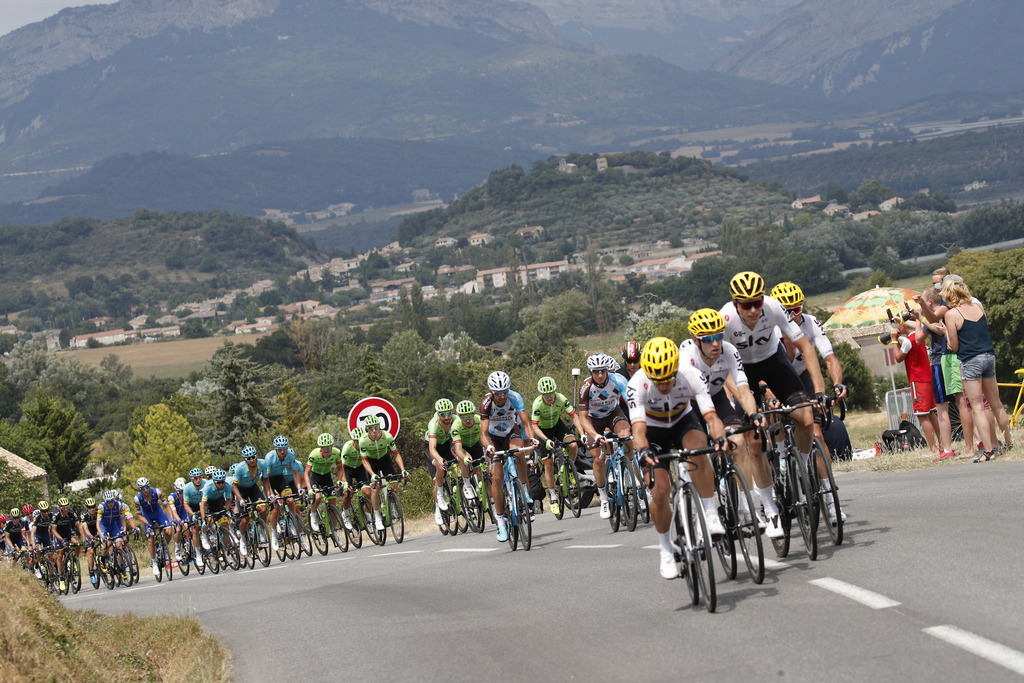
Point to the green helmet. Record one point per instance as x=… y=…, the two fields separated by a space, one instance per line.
x=325 y=440
x=443 y=405
x=546 y=385
x=371 y=421
x=465 y=408
x=357 y=433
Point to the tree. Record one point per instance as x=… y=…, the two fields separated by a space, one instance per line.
x=63 y=434
x=407 y=362
x=194 y=329
x=311 y=340
x=15 y=489
x=164 y=447
x=294 y=410
x=856 y=377
x=239 y=404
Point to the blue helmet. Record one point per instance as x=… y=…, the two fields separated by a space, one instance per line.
x=220 y=475
x=195 y=472
x=280 y=442
x=249 y=452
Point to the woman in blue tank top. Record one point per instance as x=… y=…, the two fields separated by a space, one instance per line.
x=967 y=335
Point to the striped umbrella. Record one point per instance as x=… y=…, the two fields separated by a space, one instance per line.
x=868 y=308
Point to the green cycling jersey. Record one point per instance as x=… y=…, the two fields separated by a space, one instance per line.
x=350 y=454
x=321 y=465
x=547 y=415
x=436 y=429
x=467 y=436
x=375 y=450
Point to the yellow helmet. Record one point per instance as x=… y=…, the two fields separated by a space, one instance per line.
x=660 y=359
x=706 y=321
x=746 y=286
x=788 y=294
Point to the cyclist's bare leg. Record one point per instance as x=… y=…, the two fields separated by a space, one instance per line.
x=600 y=466
x=661 y=509
x=804 y=431
x=549 y=472
x=497 y=482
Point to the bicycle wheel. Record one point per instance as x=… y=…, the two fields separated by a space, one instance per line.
x=613 y=504
x=804 y=505
x=683 y=556
x=780 y=486
x=573 y=490
x=512 y=514
x=187 y=553
x=834 y=528
x=229 y=550
x=745 y=530
x=355 y=534
x=161 y=554
x=560 y=484
x=210 y=551
x=305 y=545
x=319 y=537
x=473 y=509
x=338 y=536
x=133 y=564
x=486 y=499
x=704 y=570
x=630 y=500
x=73 y=573
x=446 y=515
x=396 y=517
x=260 y=541
x=461 y=517
x=525 y=526
x=105 y=572
x=726 y=546
x=376 y=536
x=644 y=509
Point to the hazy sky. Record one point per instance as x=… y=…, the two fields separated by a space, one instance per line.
x=16 y=13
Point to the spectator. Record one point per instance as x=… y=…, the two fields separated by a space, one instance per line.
x=967 y=335
x=937 y=334
x=909 y=338
x=951 y=366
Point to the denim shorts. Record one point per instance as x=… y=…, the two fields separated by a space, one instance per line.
x=981 y=366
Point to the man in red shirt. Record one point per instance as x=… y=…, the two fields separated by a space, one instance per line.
x=910 y=340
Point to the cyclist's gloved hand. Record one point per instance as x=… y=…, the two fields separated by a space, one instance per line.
x=373 y=478
x=841 y=391
x=549 y=444
x=648 y=455
x=468 y=460
x=822 y=398
x=405 y=474
x=722 y=444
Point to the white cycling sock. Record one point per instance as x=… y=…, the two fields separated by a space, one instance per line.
x=665 y=541
x=826 y=485
x=602 y=491
x=466 y=483
x=553 y=494
x=768 y=501
x=710 y=505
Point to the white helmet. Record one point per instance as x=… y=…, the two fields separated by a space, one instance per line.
x=179 y=484
x=601 y=361
x=498 y=381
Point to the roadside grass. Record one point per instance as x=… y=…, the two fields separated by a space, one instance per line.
x=44 y=641
x=916 y=459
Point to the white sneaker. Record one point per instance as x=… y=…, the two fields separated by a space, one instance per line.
x=715 y=527
x=606 y=510
x=346 y=520
x=438 y=519
x=378 y=520
x=774 y=529
x=762 y=521
x=274 y=542
x=831 y=510
x=668 y=567
x=199 y=559
x=206 y=542
x=242 y=550
x=314 y=524
x=441 y=502
x=470 y=492
x=177 y=553
x=156 y=569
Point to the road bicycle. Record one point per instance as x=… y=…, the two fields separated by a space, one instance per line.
x=162 y=554
x=293 y=536
x=483 y=505
x=189 y=551
x=453 y=519
x=223 y=551
x=256 y=537
x=329 y=524
x=567 y=484
x=517 y=506
x=50 y=575
x=390 y=509
x=736 y=510
x=621 y=485
x=690 y=529
x=72 y=568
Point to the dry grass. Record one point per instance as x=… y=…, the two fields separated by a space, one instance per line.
x=903 y=461
x=175 y=358
x=44 y=641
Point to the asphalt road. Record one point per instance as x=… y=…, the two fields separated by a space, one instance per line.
x=926 y=587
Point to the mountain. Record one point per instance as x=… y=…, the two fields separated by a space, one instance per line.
x=692 y=34
x=885 y=53
x=209 y=76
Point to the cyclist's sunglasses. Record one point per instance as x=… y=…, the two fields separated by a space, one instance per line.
x=251 y=457
x=499 y=393
x=446 y=413
x=795 y=310
x=712 y=338
x=750 y=305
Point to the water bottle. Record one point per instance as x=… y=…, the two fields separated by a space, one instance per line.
x=783 y=465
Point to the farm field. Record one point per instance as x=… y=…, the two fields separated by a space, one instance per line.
x=176 y=358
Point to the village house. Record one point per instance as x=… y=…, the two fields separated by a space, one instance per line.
x=530 y=232
x=445 y=242
x=480 y=239
x=891 y=204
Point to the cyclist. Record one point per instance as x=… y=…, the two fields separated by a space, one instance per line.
x=115 y=518
x=719 y=363
x=319 y=463
x=660 y=410
x=65 y=528
x=438 y=450
x=88 y=529
x=179 y=514
x=16 y=530
x=42 y=528
x=217 y=496
x=153 y=511
x=466 y=435
x=351 y=473
x=503 y=425
x=373 y=451
x=546 y=418
x=192 y=495
x=598 y=411
x=284 y=471
x=753 y=323
x=250 y=485
x=791 y=297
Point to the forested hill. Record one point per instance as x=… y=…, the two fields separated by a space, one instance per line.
x=641 y=197
x=214 y=247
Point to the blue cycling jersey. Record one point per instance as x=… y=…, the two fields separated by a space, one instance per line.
x=111 y=511
x=193 y=496
x=277 y=467
x=211 y=492
x=152 y=508
x=178 y=501
x=245 y=478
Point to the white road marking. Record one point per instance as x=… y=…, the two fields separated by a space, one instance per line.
x=861 y=595
x=467 y=550
x=994 y=652
x=593 y=547
x=400 y=552
x=333 y=559
x=651 y=547
x=775 y=564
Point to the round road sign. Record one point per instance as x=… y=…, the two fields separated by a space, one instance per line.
x=373 y=405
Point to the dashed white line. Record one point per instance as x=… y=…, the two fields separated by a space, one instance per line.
x=593 y=547
x=775 y=564
x=400 y=552
x=994 y=652
x=861 y=595
x=467 y=550
x=333 y=559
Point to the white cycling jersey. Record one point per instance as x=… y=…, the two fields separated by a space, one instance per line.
x=813 y=330
x=761 y=342
x=648 y=404
x=728 y=363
